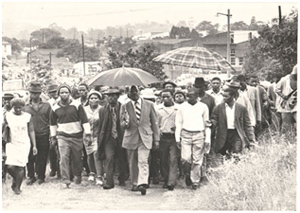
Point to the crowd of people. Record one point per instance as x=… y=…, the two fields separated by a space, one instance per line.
x=140 y=134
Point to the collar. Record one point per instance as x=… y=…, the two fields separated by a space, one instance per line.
x=139 y=101
x=227 y=106
x=212 y=92
x=30 y=102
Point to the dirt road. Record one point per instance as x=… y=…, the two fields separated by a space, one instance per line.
x=51 y=196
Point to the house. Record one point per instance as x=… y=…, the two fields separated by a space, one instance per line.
x=6 y=49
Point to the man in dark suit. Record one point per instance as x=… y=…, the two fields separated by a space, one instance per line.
x=232 y=124
x=110 y=139
x=139 y=119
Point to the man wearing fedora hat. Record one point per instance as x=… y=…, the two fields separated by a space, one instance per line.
x=110 y=139
x=40 y=112
x=169 y=85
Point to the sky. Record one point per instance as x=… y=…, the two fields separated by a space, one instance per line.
x=99 y=15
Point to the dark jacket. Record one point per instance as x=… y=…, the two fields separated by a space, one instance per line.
x=105 y=126
x=241 y=122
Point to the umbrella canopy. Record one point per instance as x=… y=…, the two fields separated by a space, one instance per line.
x=123 y=76
x=195 y=57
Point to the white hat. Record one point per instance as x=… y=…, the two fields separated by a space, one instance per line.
x=147 y=93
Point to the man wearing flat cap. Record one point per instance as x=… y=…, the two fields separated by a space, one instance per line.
x=40 y=112
x=110 y=139
x=169 y=85
x=139 y=119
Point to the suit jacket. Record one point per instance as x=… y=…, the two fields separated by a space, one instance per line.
x=253 y=95
x=105 y=127
x=241 y=122
x=147 y=128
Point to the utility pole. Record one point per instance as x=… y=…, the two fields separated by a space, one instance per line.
x=279 y=11
x=29 y=58
x=50 y=58
x=228 y=39
x=127 y=33
x=83 y=55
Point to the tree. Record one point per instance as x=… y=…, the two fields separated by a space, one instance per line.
x=239 y=26
x=276 y=45
x=44 y=34
x=207 y=26
x=15 y=45
x=194 y=34
x=140 y=58
x=174 y=32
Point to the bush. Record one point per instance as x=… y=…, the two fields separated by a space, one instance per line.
x=263 y=179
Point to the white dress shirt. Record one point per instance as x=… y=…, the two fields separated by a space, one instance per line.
x=217 y=96
x=230 y=116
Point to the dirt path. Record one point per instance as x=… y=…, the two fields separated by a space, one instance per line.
x=51 y=196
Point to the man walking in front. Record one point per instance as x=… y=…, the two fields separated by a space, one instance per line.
x=193 y=135
x=67 y=121
x=139 y=119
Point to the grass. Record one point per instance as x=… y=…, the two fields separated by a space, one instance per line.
x=263 y=179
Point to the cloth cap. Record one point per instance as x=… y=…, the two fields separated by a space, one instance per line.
x=112 y=91
x=95 y=92
x=62 y=86
x=169 y=82
x=52 y=88
x=35 y=87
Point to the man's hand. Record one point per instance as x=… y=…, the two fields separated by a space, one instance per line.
x=88 y=139
x=53 y=140
x=34 y=151
x=156 y=145
x=178 y=145
x=206 y=147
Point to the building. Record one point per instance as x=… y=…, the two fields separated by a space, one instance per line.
x=6 y=49
x=91 y=68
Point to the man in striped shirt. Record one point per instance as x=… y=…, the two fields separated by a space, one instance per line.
x=67 y=122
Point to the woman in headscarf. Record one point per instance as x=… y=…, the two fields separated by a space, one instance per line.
x=22 y=136
x=92 y=111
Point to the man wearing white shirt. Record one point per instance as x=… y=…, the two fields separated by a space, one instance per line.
x=216 y=91
x=193 y=135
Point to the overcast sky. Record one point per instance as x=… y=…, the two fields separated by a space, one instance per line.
x=102 y=14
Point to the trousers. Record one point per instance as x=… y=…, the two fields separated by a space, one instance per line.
x=70 y=149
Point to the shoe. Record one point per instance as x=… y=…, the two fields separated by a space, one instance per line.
x=52 y=173
x=99 y=181
x=204 y=180
x=134 y=188
x=77 y=179
x=171 y=187
x=188 y=180
x=30 y=181
x=142 y=189
x=17 y=191
x=155 y=180
x=165 y=186
x=195 y=186
x=108 y=186
x=91 y=178
x=40 y=181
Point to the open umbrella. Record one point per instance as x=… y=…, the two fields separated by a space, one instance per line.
x=123 y=76
x=195 y=57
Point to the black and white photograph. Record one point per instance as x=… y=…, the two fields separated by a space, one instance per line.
x=149 y=106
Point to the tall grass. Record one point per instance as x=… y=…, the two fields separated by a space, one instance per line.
x=263 y=179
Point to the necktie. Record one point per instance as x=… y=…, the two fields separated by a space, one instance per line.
x=137 y=111
x=114 y=124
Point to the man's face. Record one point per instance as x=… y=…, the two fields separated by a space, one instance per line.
x=6 y=102
x=227 y=98
x=112 y=99
x=167 y=98
x=253 y=82
x=53 y=94
x=64 y=94
x=35 y=95
x=192 y=97
x=134 y=94
x=215 y=84
x=179 y=98
x=82 y=90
